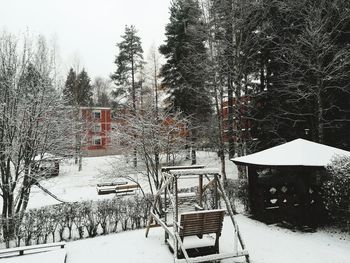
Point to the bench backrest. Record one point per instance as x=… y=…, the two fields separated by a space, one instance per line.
x=201 y=222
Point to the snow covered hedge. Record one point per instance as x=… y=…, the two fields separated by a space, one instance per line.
x=336 y=191
x=80 y=220
x=237 y=192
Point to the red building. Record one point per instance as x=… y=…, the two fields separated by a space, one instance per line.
x=98 y=126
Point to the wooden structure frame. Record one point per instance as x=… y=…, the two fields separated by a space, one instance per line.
x=198 y=222
x=20 y=250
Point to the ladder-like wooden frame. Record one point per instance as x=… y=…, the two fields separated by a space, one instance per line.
x=170 y=176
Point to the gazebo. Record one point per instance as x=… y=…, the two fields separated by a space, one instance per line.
x=284 y=180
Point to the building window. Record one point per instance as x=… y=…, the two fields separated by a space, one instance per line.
x=96 y=114
x=97 y=127
x=96 y=141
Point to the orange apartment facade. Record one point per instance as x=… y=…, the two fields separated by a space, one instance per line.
x=97 y=133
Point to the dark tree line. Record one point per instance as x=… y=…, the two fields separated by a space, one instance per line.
x=77 y=89
x=304 y=72
x=281 y=67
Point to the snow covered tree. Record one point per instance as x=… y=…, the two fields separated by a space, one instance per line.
x=70 y=87
x=101 y=89
x=317 y=68
x=304 y=72
x=33 y=122
x=335 y=191
x=156 y=137
x=129 y=62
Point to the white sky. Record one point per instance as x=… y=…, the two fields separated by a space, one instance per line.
x=87 y=30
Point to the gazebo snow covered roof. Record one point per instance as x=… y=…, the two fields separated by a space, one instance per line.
x=299 y=152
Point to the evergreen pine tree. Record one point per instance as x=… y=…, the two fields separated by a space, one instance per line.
x=184 y=72
x=128 y=61
x=77 y=89
x=84 y=89
x=70 y=87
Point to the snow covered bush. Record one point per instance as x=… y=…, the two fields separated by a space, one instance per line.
x=336 y=191
x=79 y=220
x=104 y=214
x=89 y=218
x=237 y=193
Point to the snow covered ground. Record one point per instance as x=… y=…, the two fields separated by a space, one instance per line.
x=265 y=243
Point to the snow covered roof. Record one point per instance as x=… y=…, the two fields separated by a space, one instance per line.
x=204 y=171
x=299 y=152
x=46 y=157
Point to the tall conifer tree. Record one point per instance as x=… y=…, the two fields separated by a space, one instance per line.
x=77 y=89
x=129 y=61
x=184 y=72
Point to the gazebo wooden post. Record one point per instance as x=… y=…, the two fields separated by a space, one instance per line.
x=252 y=187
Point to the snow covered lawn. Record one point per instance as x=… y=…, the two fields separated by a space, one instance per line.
x=72 y=185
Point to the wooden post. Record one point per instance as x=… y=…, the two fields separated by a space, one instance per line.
x=230 y=212
x=253 y=190
x=216 y=194
x=200 y=190
x=166 y=236
x=175 y=218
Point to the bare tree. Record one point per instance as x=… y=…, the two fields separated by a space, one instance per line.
x=33 y=122
x=102 y=88
x=156 y=138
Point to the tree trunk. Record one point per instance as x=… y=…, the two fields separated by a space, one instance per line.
x=320 y=125
x=133 y=91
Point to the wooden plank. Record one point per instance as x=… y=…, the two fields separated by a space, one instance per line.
x=162 y=224
x=229 y=209
x=181 y=247
x=213 y=257
x=111 y=184
x=168 y=168
x=191 y=172
x=33 y=247
x=126 y=187
x=204 y=211
x=156 y=198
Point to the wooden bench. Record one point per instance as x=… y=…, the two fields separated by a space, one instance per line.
x=21 y=250
x=199 y=223
x=126 y=189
